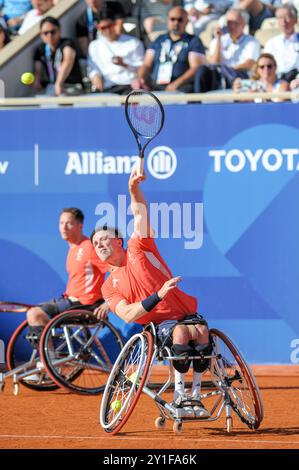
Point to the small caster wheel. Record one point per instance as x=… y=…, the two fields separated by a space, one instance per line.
x=229 y=424
x=177 y=427
x=15 y=389
x=160 y=422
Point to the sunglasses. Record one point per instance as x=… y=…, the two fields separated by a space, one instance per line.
x=180 y=20
x=266 y=66
x=103 y=28
x=50 y=32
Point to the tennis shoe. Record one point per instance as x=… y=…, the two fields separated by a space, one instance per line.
x=199 y=409
x=182 y=402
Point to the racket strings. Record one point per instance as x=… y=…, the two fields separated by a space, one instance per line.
x=146 y=115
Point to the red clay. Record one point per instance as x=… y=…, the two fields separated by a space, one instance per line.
x=60 y=420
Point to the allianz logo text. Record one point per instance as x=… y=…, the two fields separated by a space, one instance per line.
x=271 y=159
x=161 y=163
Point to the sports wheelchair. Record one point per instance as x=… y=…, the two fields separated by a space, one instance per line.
x=76 y=351
x=231 y=386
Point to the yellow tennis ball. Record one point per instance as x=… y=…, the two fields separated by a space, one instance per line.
x=115 y=405
x=27 y=78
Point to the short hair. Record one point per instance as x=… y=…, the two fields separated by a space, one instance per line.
x=292 y=10
x=49 y=19
x=107 y=13
x=77 y=213
x=245 y=15
x=114 y=230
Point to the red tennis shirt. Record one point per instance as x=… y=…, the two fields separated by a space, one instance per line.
x=86 y=273
x=145 y=272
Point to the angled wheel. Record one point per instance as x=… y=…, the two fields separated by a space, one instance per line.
x=20 y=353
x=125 y=383
x=231 y=369
x=78 y=351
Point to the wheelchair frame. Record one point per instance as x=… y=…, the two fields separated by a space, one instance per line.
x=47 y=368
x=233 y=388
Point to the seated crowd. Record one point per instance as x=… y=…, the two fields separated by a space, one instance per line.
x=156 y=45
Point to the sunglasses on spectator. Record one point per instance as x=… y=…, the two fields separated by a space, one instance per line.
x=49 y=32
x=268 y=66
x=103 y=28
x=180 y=20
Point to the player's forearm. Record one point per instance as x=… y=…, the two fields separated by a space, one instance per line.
x=130 y=313
x=137 y=200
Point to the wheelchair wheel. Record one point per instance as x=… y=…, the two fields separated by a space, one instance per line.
x=20 y=352
x=125 y=383
x=78 y=351
x=232 y=370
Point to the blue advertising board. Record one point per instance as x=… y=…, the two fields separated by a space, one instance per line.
x=223 y=192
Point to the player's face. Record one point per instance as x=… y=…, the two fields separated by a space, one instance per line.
x=105 y=245
x=70 y=228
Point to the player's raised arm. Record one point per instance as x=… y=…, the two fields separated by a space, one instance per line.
x=139 y=206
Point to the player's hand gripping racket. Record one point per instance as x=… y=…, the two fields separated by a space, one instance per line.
x=145 y=116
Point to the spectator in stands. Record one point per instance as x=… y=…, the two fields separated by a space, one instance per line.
x=202 y=12
x=4 y=36
x=56 y=64
x=86 y=25
x=14 y=12
x=171 y=61
x=264 y=78
x=113 y=58
x=39 y=8
x=231 y=55
x=152 y=14
x=258 y=11
x=285 y=46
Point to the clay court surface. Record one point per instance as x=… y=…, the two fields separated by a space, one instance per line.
x=61 y=420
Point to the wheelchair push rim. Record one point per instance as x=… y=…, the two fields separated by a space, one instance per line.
x=126 y=381
x=19 y=344
x=76 y=352
x=235 y=373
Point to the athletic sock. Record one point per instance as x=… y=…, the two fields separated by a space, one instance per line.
x=196 y=383
x=179 y=384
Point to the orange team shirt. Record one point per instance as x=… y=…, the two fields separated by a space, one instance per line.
x=144 y=274
x=86 y=273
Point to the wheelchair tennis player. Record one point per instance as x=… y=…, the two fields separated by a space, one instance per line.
x=142 y=289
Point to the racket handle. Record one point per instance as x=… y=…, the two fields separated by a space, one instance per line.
x=140 y=167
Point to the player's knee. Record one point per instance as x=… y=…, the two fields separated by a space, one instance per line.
x=35 y=316
x=202 y=333
x=180 y=335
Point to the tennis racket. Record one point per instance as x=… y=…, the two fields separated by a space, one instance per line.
x=14 y=307
x=145 y=116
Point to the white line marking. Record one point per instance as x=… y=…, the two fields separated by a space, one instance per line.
x=36 y=164
x=132 y=438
